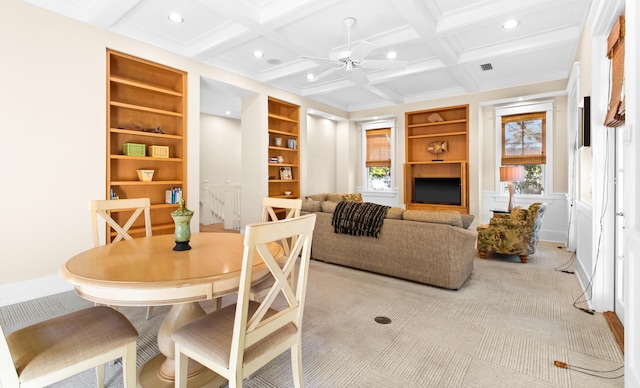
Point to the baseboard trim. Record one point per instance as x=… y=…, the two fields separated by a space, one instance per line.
x=616 y=327
x=32 y=289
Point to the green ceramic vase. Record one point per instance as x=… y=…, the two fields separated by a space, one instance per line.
x=182 y=219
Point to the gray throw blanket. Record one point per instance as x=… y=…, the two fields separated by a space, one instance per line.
x=359 y=218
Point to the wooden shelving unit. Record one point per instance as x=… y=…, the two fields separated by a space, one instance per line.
x=143 y=94
x=284 y=123
x=450 y=124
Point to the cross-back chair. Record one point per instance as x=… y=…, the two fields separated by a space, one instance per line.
x=104 y=209
x=291 y=208
x=238 y=339
x=53 y=350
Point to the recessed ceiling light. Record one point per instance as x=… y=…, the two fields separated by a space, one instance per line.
x=310 y=77
x=176 y=18
x=258 y=54
x=392 y=55
x=227 y=112
x=509 y=24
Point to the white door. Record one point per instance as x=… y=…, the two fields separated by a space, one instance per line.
x=619 y=265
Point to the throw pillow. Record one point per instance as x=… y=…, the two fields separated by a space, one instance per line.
x=395 y=213
x=335 y=197
x=448 y=217
x=329 y=206
x=311 y=206
x=355 y=197
x=317 y=197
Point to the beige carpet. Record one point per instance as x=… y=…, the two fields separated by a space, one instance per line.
x=503 y=328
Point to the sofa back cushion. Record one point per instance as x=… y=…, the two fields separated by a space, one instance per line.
x=317 y=197
x=448 y=217
x=395 y=213
x=329 y=206
x=311 y=206
x=335 y=197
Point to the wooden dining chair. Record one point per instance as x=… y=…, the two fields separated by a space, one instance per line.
x=270 y=207
x=238 y=339
x=58 y=348
x=104 y=209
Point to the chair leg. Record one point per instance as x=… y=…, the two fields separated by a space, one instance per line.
x=524 y=258
x=100 y=375
x=296 y=365
x=149 y=312
x=182 y=361
x=129 y=372
x=482 y=254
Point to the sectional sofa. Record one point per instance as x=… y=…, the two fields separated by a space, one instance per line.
x=430 y=247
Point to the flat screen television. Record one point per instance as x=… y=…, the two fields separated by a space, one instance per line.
x=441 y=191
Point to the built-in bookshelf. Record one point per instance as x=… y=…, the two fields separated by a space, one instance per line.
x=427 y=132
x=146 y=130
x=284 y=149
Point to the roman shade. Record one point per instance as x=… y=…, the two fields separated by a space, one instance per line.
x=379 y=147
x=524 y=139
x=615 y=52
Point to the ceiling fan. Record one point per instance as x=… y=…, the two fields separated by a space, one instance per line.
x=353 y=60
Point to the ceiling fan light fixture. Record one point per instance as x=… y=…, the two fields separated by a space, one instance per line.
x=509 y=24
x=349 y=66
x=175 y=17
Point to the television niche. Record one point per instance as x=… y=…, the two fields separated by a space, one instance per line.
x=440 y=191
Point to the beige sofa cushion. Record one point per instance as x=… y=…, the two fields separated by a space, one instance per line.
x=448 y=217
x=317 y=197
x=311 y=206
x=467 y=219
x=329 y=206
x=335 y=197
x=395 y=213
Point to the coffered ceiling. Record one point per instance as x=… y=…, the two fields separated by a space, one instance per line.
x=445 y=43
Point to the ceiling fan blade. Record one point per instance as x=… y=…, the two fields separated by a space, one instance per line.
x=383 y=64
x=358 y=76
x=325 y=73
x=316 y=59
x=362 y=50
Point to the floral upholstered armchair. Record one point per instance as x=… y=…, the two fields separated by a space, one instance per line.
x=514 y=234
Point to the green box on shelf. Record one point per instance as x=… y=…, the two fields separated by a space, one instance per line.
x=132 y=149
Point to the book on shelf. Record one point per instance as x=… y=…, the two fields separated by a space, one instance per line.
x=173 y=195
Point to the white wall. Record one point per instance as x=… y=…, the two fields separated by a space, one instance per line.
x=321 y=155
x=220 y=149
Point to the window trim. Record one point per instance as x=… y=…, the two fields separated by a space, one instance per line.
x=521 y=108
x=372 y=125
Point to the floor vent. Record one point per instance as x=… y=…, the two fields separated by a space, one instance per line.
x=486 y=66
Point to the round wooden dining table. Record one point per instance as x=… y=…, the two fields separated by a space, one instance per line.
x=148 y=272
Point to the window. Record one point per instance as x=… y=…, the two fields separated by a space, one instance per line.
x=523 y=141
x=377 y=143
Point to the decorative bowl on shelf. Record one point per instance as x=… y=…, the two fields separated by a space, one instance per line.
x=145 y=175
x=287 y=193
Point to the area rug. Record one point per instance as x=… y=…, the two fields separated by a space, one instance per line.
x=504 y=328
